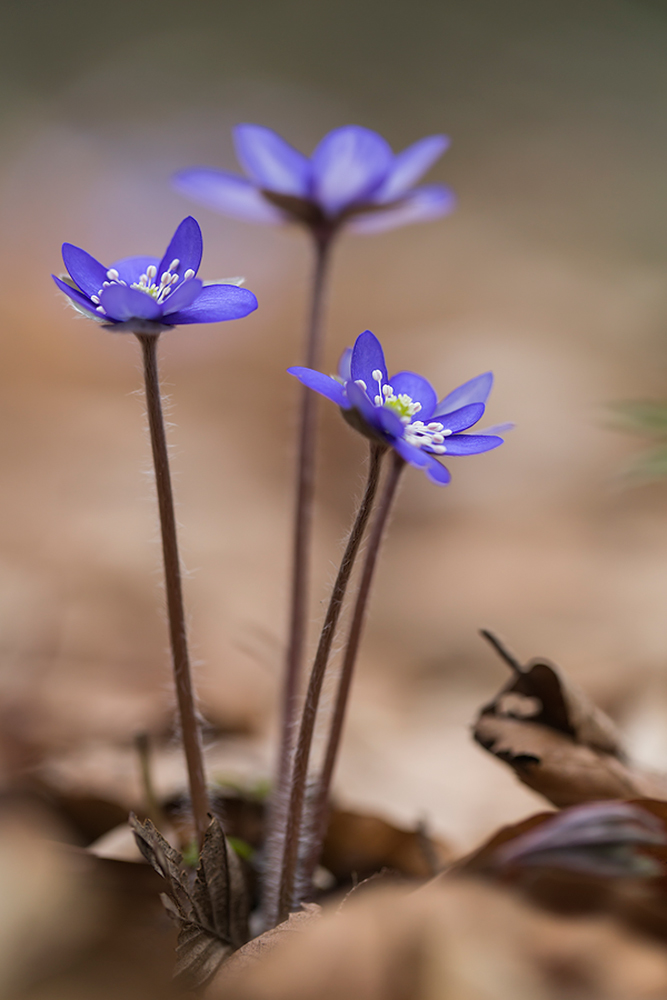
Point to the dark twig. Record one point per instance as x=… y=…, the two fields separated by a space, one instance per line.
x=502 y=649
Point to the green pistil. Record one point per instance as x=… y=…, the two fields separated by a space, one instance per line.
x=401 y=405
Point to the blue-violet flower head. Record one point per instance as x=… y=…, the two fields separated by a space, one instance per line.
x=352 y=178
x=403 y=412
x=148 y=295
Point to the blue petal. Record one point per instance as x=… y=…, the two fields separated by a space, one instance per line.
x=344 y=365
x=475 y=391
x=389 y=421
x=418 y=389
x=182 y=296
x=373 y=415
x=227 y=193
x=437 y=473
x=81 y=300
x=471 y=444
x=409 y=166
x=216 y=303
x=130 y=269
x=84 y=269
x=367 y=357
x=324 y=384
x=348 y=165
x=463 y=418
x=186 y=246
x=122 y=304
x=408 y=452
x=422 y=205
x=271 y=162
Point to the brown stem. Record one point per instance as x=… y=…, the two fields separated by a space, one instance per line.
x=304 y=742
x=303 y=513
x=321 y=801
x=190 y=730
x=154 y=813
x=301 y=544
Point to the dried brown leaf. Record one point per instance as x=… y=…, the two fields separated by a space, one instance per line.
x=606 y=839
x=211 y=909
x=365 y=844
x=604 y=857
x=251 y=953
x=462 y=939
x=556 y=741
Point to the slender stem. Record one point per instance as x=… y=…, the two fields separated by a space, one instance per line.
x=172 y=573
x=321 y=801
x=303 y=512
x=301 y=544
x=154 y=813
x=305 y=738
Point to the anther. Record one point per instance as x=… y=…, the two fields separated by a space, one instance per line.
x=361 y=383
x=174 y=264
x=188 y=274
x=151 y=271
x=112 y=274
x=95 y=299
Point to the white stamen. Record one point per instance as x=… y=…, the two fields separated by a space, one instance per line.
x=151 y=271
x=174 y=264
x=188 y=274
x=95 y=299
x=361 y=382
x=112 y=274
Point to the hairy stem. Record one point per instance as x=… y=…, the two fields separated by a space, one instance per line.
x=190 y=730
x=323 y=786
x=303 y=512
x=300 y=571
x=304 y=742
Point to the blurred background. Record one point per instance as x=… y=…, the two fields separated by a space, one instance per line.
x=551 y=272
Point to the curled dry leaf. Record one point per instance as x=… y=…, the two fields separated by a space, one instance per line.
x=211 y=910
x=602 y=857
x=607 y=839
x=556 y=740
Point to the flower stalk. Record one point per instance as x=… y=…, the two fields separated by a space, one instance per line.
x=190 y=729
x=323 y=785
x=300 y=568
x=303 y=511
x=299 y=773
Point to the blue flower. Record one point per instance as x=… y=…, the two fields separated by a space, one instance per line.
x=146 y=294
x=404 y=412
x=353 y=177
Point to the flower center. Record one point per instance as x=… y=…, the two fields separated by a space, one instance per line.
x=416 y=432
x=147 y=283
